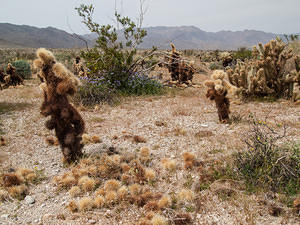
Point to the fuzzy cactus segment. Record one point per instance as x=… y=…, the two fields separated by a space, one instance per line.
x=64 y=118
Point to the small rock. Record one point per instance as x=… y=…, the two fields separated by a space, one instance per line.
x=29 y=199
x=43 y=205
x=4 y=216
x=203 y=125
x=92 y=221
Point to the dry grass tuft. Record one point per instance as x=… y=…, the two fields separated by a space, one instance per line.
x=159 y=220
x=111 y=185
x=95 y=139
x=125 y=167
x=144 y=154
x=111 y=197
x=189 y=160
x=67 y=181
x=139 y=139
x=100 y=191
x=164 y=202
x=150 y=174
x=75 y=191
x=85 y=204
x=99 y=202
x=144 y=221
x=86 y=183
x=18 y=192
x=169 y=164
x=135 y=189
x=87 y=139
x=3 y=195
x=122 y=192
x=186 y=195
x=72 y=206
x=10 y=179
x=179 y=131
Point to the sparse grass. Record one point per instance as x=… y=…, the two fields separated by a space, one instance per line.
x=7 y=107
x=215 y=151
x=266 y=164
x=97 y=119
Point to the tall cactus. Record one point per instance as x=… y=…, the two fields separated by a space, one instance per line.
x=65 y=119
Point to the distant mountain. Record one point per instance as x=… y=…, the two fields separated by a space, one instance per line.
x=27 y=36
x=184 y=37
x=190 y=37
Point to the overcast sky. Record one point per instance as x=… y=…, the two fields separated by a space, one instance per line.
x=277 y=16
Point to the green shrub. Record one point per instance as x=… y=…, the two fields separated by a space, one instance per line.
x=115 y=61
x=22 y=68
x=266 y=164
x=142 y=85
x=94 y=91
x=242 y=53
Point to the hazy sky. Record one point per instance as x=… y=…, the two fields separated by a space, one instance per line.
x=277 y=16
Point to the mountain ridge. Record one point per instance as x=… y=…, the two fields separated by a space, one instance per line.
x=184 y=37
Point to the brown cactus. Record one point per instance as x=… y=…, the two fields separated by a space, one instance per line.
x=65 y=119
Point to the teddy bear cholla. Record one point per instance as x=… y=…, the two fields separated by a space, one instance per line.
x=218 y=89
x=58 y=83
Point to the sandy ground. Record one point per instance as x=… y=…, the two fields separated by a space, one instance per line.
x=169 y=124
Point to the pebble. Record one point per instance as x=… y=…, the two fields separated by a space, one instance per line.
x=92 y=221
x=203 y=125
x=4 y=216
x=29 y=199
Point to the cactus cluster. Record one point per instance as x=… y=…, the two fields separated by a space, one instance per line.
x=265 y=73
x=58 y=84
x=179 y=69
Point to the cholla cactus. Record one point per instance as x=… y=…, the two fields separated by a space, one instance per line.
x=65 y=119
x=79 y=68
x=265 y=73
x=179 y=69
x=10 y=78
x=218 y=87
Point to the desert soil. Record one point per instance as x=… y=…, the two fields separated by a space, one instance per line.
x=169 y=124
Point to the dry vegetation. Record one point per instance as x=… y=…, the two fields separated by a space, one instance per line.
x=148 y=160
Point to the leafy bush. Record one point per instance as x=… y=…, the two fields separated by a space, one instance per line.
x=266 y=164
x=115 y=61
x=94 y=91
x=22 y=68
x=142 y=85
x=242 y=53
